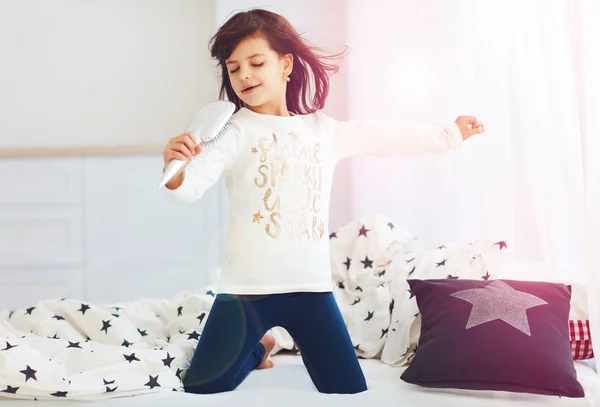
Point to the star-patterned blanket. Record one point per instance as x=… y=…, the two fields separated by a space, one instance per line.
x=71 y=349
x=65 y=348
x=372 y=259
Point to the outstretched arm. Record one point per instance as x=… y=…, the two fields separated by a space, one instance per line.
x=390 y=137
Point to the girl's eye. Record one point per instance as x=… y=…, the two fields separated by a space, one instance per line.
x=236 y=69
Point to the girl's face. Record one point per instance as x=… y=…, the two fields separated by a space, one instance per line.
x=258 y=74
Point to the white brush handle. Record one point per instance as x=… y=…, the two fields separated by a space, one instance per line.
x=171 y=170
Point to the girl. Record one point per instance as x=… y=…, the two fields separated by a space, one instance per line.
x=278 y=160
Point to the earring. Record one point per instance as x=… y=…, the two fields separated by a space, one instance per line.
x=288 y=79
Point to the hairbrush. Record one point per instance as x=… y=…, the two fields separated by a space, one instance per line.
x=208 y=126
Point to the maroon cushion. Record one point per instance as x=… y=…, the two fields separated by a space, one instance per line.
x=494 y=335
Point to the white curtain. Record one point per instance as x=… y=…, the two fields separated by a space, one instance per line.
x=587 y=32
x=530 y=70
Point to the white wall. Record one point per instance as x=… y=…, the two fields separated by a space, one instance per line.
x=102 y=72
x=99 y=229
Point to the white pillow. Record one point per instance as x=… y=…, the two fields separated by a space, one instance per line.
x=538 y=271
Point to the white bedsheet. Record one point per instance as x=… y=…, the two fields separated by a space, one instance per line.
x=288 y=383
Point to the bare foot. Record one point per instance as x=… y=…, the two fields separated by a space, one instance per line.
x=269 y=343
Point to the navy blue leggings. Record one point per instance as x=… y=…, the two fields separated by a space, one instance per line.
x=229 y=348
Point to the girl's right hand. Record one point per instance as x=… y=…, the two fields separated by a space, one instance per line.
x=183 y=147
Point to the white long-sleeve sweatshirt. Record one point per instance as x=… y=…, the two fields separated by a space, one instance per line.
x=278 y=172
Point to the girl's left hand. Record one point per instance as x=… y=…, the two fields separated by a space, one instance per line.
x=469 y=126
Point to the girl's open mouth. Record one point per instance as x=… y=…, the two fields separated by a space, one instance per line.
x=250 y=89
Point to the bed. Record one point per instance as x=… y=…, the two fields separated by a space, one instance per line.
x=288 y=383
x=70 y=352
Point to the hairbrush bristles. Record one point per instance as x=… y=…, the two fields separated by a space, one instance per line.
x=218 y=136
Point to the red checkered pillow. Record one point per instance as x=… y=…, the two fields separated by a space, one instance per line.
x=581 y=340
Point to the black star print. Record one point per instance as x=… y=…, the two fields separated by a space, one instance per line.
x=409 y=261
x=53 y=337
x=384 y=332
x=210 y=292
x=130 y=358
x=332 y=235
x=381 y=285
x=105 y=326
x=358 y=288
x=363 y=231
x=200 y=318
x=381 y=273
x=441 y=247
x=117 y=308
x=367 y=263
x=28 y=311
x=109 y=390
x=29 y=373
x=357 y=347
x=9 y=346
x=60 y=394
x=369 y=315
x=126 y=344
x=391 y=225
x=179 y=372
x=391 y=306
x=442 y=263
x=12 y=390
x=74 y=345
x=487 y=275
x=340 y=285
x=194 y=335
x=411 y=294
x=152 y=382
x=83 y=308
x=181 y=332
x=168 y=360
x=115 y=315
x=356 y=301
x=347 y=263
x=107 y=382
x=58 y=318
x=179 y=309
x=168 y=339
x=143 y=333
x=451 y=277
x=10 y=314
x=412 y=271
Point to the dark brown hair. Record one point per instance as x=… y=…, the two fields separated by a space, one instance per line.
x=310 y=66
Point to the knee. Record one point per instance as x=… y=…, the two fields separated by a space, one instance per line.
x=347 y=387
x=346 y=390
x=211 y=387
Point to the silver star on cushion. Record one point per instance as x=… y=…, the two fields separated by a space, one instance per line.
x=500 y=301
